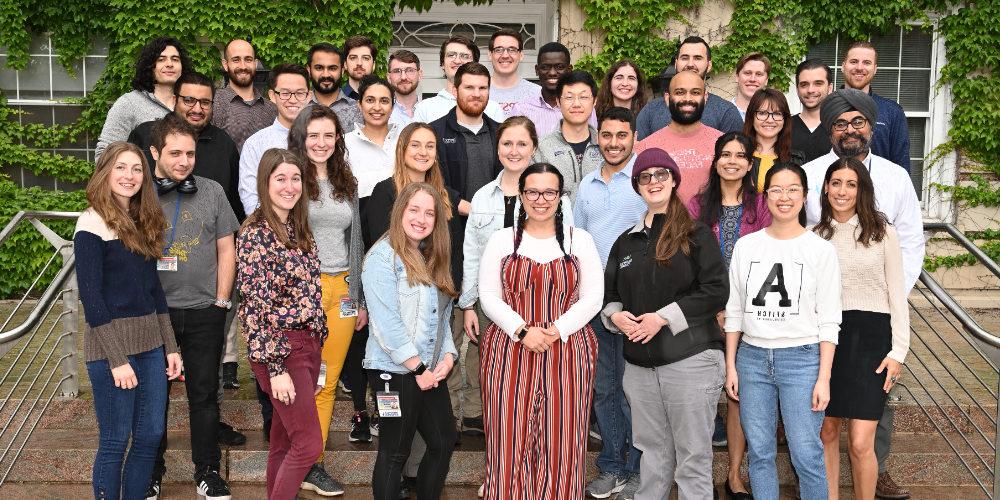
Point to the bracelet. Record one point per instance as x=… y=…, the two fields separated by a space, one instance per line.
x=223 y=303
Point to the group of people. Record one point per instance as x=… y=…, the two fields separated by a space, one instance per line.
x=529 y=262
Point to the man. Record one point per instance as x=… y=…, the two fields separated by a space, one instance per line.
x=197 y=273
x=506 y=86
x=239 y=108
x=289 y=91
x=606 y=206
x=693 y=55
x=543 y=108
x=813 y=82
x=752 y=72
x=850 y=114
x=360 y=51
x=892 y=136
x=689 y=142
x=404 y=78
x=572 y=146
x=455 y=52
x=324 y=74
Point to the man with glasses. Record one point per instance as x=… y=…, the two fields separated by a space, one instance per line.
x=507 y=87
x=813 y=82
x=572 y=147
x=325 y=69
x=543 y=109
x=455 y=52
x=404 y=78
x=360 y=52
x=686 y=139
x=239 y=108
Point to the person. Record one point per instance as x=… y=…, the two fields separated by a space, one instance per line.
x=408 y=284
x=128 y=341
x=663 y=285
x=360 y=53
x=752 y=73
x=506 y=86
x=335 y=219
x=606 y=206
x=813 y=82
x=730 y=205
x=874 y=334
x=850 y=115
x=890 y=132
x=404 y=77
x=239 y=108
x=693 y=55
x=162 y=61
x=783 y=316
x=543 y=108
x=540 y=283
x=326 y=65
x=288 y=86
x=284 y=324
x=572 y=147
x=371 y=147
x=686 y=138
x=456 y=51
x=624 y=86
x=769 y=125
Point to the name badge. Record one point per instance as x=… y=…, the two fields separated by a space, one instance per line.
x=321 y=380
x=167 y=263
x=348 y=309
x=388 y=401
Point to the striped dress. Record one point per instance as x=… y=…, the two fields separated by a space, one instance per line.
x=537 y=406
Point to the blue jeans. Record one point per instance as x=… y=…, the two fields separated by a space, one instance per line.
x=614 y=418
x=138 y=414
x=767 y=376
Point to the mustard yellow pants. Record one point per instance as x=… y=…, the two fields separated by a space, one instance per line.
x=334 y=349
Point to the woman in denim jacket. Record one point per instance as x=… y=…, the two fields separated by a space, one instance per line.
x=408 y=285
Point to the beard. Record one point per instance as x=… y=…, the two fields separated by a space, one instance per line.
x=685 y=118
x=471 y=108
x=320 y=89
x=843 y=151
x=407 y=88
x=241 y=79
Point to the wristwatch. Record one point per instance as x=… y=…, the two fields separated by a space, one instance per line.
x=522 y=332
x=223 y=303
x=420 y=369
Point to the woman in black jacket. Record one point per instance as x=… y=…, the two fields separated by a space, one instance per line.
x=664 y=283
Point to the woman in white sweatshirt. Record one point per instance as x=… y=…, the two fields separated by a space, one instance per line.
x=782 y=323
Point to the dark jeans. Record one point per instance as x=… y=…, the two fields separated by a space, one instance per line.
x=353 y=374
x=427 y=412
x=614 y=417
x=200 y=337
x=128 y=413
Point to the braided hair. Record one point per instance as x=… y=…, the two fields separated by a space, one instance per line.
x=522 y=215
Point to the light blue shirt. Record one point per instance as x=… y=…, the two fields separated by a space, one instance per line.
x=608 y=209
x=399 y=115
x=275 y=136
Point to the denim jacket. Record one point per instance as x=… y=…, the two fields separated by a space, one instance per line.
x=486 y=218
x=404 y=320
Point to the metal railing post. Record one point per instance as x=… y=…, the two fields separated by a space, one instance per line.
x=70 y=387
x=996 y=452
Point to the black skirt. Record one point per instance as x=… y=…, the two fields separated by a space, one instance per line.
x=855 y=388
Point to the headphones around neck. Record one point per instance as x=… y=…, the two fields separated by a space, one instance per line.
x=166 y=185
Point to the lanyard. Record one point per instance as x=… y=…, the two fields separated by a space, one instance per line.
x=722 y=234
x=173 y=225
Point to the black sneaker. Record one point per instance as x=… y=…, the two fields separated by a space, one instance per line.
x=319 y=480
x=360 y=430
x=230 y=436
x=230 y=376
x=153 y=492
x=719 y=436
x=209 y=484
x=473 y=426
x=407 y=487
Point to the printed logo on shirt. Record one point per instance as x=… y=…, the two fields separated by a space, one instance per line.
x=773 y=292
x=557 y=153
x=593 y=153
x=449 y=140
x=627 y=261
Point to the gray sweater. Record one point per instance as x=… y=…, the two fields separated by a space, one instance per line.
x=336 y=226
x=131 y=109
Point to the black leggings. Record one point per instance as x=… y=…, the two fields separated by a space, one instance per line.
x=353 y=374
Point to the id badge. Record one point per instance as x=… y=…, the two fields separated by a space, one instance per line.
x=321 y=381
x=348 y=309
x=167 y=263
x=388 y=401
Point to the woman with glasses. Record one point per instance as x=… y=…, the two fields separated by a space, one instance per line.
x=540 y=283
x=782 y=324
x=768 y=123
x=624 y=86
x=663 y=286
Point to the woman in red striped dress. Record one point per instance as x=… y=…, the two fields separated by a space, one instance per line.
x=540 y=283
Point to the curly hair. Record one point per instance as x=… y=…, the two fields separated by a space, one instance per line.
x=146 y=63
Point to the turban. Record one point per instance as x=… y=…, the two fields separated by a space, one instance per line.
x=846 y=100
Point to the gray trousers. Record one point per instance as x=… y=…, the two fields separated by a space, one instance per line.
x=673 y=416
x=883 y=433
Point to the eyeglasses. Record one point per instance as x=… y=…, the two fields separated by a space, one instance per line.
x=661 y=175
x=548 y=194
x=858 y=123
x=461 y=56
x=763 y=115
x=284 y=95
x=792 y=192
x=505 y=50
x=576 y=98
x=192 y=101
x=545 y=68
x=403 y=71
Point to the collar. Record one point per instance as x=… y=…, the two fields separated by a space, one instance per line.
x=544 y=105
x=398 y=105
x=277 y=125
x=444 y=94
x=207 y=133
x=641 y=225
x=593 y=133
x=852 y=221
x=394 y=129
x=341 y=96
x=257 y=96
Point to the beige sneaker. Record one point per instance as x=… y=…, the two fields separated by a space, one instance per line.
x=482 y=490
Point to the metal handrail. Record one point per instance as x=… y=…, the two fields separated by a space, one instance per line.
x=34 y=214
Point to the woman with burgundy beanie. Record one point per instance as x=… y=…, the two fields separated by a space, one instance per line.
x=664 y=283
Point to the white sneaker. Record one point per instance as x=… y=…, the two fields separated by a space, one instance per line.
x=482 y=490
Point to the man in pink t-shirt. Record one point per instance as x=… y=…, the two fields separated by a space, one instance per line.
x=688 y=141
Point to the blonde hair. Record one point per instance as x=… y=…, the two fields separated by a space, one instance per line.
x=434 y=177
x=431 y=264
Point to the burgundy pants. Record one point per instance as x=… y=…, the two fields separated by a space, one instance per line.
x=296 y=441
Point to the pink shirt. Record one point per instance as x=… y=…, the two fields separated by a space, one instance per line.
x=693 y=153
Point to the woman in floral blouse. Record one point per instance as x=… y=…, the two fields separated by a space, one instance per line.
x=283 y=320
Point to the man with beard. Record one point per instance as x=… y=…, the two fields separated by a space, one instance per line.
x=543 y=108
x=891 y=139
x=572 y=146
x=694 y=55
x=404 y=77
x=606 y=205
x=360 y=52
x=506 y=86
x=455 y=52
x=325 y=69
x=849 y=114
x=813 y=82
x=688 y=141
x=239 y=108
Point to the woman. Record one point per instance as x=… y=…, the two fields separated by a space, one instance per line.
x=117 y=241
x=875 y=331
x=624 y=86
x=540 y=283
x=663 y=286
x=784 y=301
x=730 y=205
x=284 y=325
x=336 y=223
x=768 y=123
x=372 y=146
x=408 y=282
